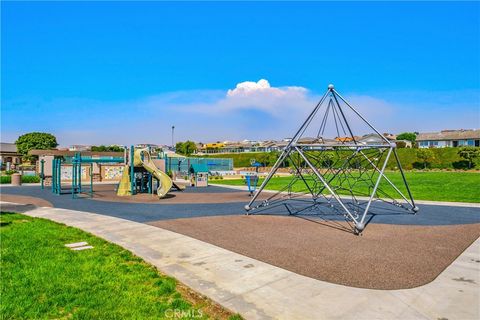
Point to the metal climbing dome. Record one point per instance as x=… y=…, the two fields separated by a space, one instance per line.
x=336 y=172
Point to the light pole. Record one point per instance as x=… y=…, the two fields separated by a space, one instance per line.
x=173 y=130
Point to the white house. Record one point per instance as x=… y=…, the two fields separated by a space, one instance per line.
x=449 y=138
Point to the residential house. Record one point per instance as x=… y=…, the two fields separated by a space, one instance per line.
x=449 y=138
x=9 y=154
x=79 y=147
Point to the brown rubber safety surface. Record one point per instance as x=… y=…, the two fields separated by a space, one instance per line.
x=107 y=193
x=384 y=257
x=39 y=202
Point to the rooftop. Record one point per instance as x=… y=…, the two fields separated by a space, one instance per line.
x=54 y=152
x=8 y=147
x=450 y=135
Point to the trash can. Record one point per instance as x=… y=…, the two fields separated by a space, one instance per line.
x=16 y=179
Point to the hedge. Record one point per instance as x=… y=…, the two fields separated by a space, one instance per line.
x=445 y=158
x=25 y=179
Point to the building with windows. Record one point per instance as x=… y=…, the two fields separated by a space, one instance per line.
x=449 y=138
x=9 y=155
x=79 y=147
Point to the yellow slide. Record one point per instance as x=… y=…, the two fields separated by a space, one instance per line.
x=165 y=181
x=124 y=185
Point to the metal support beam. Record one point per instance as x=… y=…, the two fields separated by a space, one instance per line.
x=361 y=225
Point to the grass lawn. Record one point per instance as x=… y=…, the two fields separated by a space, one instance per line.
x=438 y=186
x=41 y=278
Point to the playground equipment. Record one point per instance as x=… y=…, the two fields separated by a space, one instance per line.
x=77 y=162
x=251 y=178
x=137 y=176
x=335 y=171
x=199 y=175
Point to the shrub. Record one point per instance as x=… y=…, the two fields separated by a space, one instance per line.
x=401 y=144
x=5 y=179
x=470 y=154
x=463 y=164
x=25 y=179
x=425 y=156
x=30 y=179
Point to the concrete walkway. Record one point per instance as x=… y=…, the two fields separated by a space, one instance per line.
x=258 y=290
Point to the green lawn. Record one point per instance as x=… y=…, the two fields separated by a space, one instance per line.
x=41 y=278
x=438 y=186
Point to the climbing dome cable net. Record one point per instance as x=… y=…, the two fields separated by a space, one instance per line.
x=338 y=161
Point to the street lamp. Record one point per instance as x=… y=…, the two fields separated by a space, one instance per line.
x=173 y=130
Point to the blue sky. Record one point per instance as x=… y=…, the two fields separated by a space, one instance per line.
x=123 y=72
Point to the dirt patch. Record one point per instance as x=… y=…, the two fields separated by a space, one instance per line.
x=384 y=257
x=39 y=202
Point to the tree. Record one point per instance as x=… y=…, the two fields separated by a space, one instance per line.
x=268 y=159
x=179 y=147
x=410 y=136
x=35 y=140
x=469 y=154
x=103 y=148
x=189 y=147
x=425 y=155
x=186 y=148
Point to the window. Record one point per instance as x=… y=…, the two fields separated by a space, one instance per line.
x=424 y=143
x=470 y=142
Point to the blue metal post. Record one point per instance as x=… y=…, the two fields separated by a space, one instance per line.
x=150 y=182
x=42 y=175
x=132 y=171
x=53 y=174
x=79 y=177
x=59 y=176
x=91 y=179
x=56 y=177
x=74 y=171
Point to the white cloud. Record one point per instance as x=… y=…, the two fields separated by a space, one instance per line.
x=249 y=87
x=263 y=88
x=248 y=95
